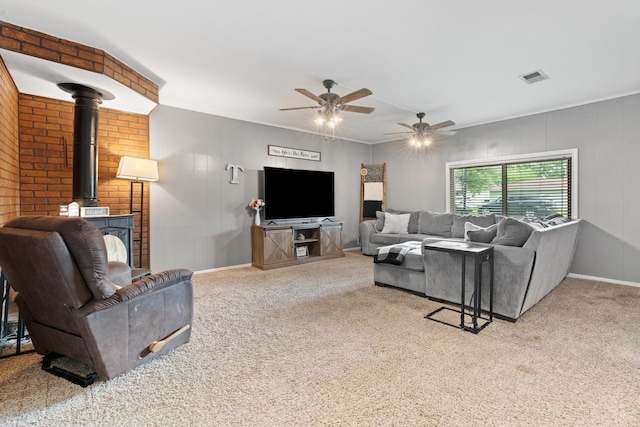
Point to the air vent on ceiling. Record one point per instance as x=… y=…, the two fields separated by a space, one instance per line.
x=534 y=77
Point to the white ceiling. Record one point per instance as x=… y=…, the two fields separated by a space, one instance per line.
x=453 y=59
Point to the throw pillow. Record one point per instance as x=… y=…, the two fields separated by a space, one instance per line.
x=435 y=224
x=457 y=229
x=396 y=224
x=512 y=232
x=413 y=220
x=379 y=221
x=475 y=233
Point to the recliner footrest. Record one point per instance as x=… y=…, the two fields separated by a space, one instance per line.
x=69 y=369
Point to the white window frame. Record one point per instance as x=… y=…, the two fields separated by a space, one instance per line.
x=520 y=158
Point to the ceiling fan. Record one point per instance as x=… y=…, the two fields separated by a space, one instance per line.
x=421 y=133
x=331 y=104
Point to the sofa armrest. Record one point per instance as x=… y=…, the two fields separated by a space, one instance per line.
x=367 y=229
x=555 y=248
x=140 y=287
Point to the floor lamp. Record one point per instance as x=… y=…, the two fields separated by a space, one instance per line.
x=138 y=170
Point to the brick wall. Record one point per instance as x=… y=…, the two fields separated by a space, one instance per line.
x=40 y=45
x=46 y=157
x=123 y=134
x=9 y=158
x=36 y=133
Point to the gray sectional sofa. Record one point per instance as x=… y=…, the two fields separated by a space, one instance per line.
x=526 y=267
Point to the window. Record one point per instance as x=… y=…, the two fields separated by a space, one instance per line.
x=535 y=185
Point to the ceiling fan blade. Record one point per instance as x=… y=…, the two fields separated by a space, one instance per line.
x=357 y=109
x=446 y=132
x=398 y=133
x=311 y=95
x=299 y=108
x=407 y=126
x=442 y=125
x=361 y=93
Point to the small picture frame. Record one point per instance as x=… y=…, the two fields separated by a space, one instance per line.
x=302 y=252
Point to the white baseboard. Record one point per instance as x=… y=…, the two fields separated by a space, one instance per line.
x=604 y=279
x=230 y=267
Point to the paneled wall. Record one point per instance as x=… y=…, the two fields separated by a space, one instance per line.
x=607 y=135
x=200 y=220
x=9 y=157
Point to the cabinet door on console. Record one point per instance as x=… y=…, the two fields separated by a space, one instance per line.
x=331 y=239
x=278 y=246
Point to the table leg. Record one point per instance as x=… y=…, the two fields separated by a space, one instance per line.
x=462 y=306
x=477 y=277
x=490 y=258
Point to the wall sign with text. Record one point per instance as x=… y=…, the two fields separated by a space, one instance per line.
x=294 y=153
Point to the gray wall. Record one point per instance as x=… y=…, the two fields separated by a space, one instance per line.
x=607 y=135
x=201 y=221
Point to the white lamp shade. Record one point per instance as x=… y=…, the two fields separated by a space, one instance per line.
x=137 y=169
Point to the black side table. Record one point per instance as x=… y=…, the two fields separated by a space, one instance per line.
x=480 y=254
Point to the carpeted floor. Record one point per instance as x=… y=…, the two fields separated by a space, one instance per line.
x=319 y=344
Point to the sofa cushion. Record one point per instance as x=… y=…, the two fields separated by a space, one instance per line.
x=512 y=232
x=412 y=228
x=395 y=223
x=410 y=237
x=413 y=260
x=385 y=239
x=457 y=229
x=436 y=224
x=413 y=219
x=475 y=233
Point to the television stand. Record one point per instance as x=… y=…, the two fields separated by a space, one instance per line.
x=283 y=245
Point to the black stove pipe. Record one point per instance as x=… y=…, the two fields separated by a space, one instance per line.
x=85 y=142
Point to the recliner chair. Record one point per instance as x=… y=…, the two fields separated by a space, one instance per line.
x=78 y=304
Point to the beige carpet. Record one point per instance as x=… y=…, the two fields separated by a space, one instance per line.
x=319 y=344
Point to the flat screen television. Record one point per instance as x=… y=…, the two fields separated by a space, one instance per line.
x=298 y=193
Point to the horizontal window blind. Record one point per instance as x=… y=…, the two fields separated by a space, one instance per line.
x=524 y=188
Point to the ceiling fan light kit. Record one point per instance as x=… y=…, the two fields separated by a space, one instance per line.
x=422 y=135
x=330 y=105
x=328 y=117
x=417 y=142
